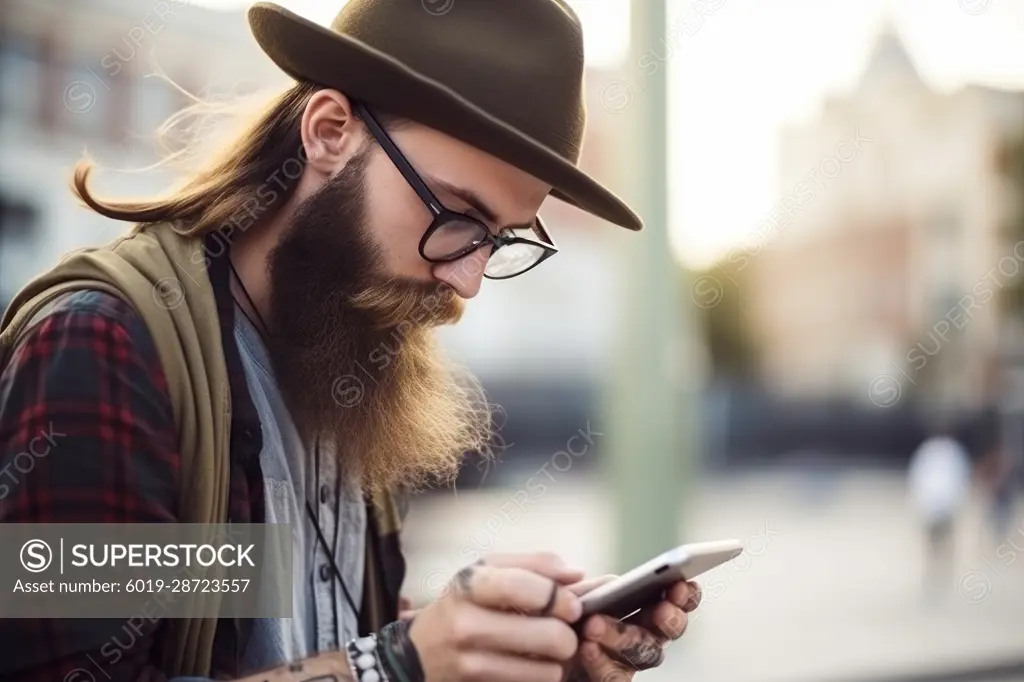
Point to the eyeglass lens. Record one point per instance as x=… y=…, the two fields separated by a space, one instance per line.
x=512 y=259
x=457 y=237
x=453 y=238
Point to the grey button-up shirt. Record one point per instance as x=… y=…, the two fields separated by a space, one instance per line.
x=323 y=619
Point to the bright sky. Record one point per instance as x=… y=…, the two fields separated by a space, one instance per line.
x=756 y=64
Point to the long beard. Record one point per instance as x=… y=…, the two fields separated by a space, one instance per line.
x=355 y=352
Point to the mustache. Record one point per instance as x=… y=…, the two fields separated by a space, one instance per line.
x=394 y=302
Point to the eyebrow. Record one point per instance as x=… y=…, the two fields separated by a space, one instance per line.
x=474 y=200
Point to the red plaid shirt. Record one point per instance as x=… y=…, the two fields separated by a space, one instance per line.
x=87 y=434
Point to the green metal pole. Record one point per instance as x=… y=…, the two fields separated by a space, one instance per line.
x=646 y=417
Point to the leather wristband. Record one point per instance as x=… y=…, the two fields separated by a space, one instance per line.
x=399 y=653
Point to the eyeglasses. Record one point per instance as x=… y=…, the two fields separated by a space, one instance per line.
x=453 y=235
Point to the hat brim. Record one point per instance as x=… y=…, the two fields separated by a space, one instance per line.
x=308 y=51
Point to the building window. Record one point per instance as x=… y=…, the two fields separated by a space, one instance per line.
x=120 y=110
x=156 y=100
x=946 y=225
x=945 y=303
x=87 y=102
x=53 y=82
x=19 y=234
x=20 y=77
x=945 y=250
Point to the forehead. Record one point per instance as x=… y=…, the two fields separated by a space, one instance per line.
x=510 y=192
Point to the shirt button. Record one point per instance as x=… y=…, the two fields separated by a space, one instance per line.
x=325 y=572
x=325 y=494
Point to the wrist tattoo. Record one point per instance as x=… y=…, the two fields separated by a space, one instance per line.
x=577 y=674
x=642 y=656
x=399 y=654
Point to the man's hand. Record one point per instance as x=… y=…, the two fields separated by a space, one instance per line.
x=614 y=651
x=405 y=609
x=477 y=631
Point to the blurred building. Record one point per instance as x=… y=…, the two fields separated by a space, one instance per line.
x=879 y=271
x=76 y=77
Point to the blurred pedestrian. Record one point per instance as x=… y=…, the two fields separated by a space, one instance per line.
x=938 y=482
x=996 y=477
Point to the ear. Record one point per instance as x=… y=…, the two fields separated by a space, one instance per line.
x=331 y=133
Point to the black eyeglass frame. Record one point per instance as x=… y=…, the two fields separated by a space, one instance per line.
x=442 y=215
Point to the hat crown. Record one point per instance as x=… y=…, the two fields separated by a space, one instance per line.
x=508 y=57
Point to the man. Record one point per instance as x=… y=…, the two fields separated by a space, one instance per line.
x=259 y=348
x=938 y=481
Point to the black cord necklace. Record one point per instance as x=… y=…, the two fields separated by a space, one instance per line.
x=262 y=327
x=316 y=449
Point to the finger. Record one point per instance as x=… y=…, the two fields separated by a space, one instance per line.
x=484 y=629
x=600 y=667
x=489 y=665
x=685 y=594
x=545 y=563
x=408 y=614
x=629 y=644
x=519 y=590
x=585 y=586
x=664 y=619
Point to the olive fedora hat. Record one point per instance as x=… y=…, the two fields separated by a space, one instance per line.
x=505 y=76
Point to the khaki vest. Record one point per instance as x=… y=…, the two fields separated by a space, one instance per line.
x=162 y=275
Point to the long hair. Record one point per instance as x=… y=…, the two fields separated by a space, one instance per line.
x=256 y=169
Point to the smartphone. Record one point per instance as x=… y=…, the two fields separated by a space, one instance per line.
x=646 y=584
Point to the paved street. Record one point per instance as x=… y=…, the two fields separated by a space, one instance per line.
x=828 y=588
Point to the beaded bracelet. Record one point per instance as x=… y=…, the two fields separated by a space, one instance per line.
x=364 y=661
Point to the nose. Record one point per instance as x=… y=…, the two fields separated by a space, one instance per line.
x=466 y=274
